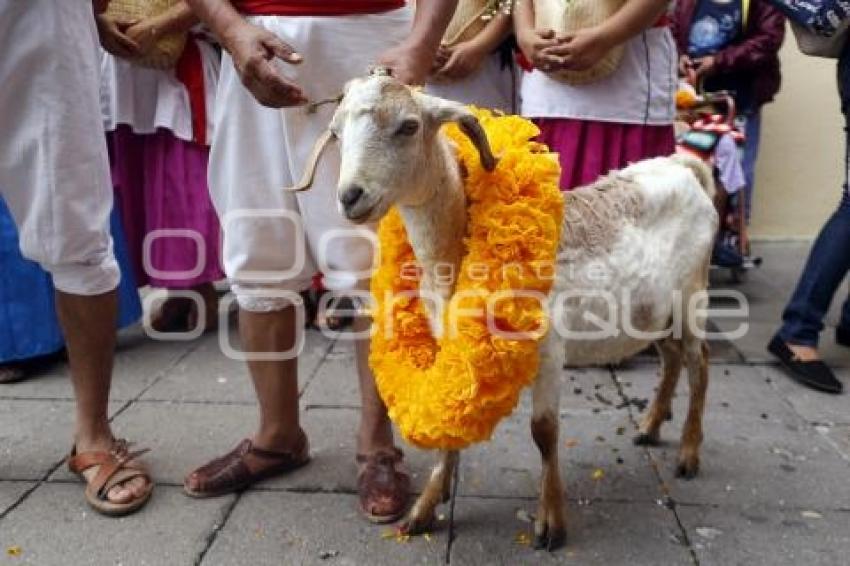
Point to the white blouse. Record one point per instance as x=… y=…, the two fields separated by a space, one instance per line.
x=147 y=99
x=641 y=91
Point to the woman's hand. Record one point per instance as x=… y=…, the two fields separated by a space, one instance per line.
x=534 y=44
x=462 y=60
x=704 y=66
x=145 y=34
x=686 y=66
x=254 y=50
x=112 y=35
x=580 y=50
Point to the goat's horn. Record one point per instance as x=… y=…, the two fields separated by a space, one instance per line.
x=312 y=163
x=470 y=126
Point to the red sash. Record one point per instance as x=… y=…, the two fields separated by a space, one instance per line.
x=315 y=7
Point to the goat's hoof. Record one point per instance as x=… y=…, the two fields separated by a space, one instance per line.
x=550 y=539
x=687 y=469
x=416 y=525
x=645 y=439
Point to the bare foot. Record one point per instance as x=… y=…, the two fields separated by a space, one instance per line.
x=804 y=353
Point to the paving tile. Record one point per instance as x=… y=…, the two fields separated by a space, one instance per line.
x=209 y=375
x=275 y=528
x=55 y=526
x=840 y=437
x=509 y=464
x=335 y=382
x=139 y=361
x=488 y=532
x=734 y=390
x=767 y=462
x=11 y=491
x=813 y=406
x=755 y=536
x=34 y=436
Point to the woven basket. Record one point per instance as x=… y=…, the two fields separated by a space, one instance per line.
x=565 y=16
x=167 y=51
x=467 y=22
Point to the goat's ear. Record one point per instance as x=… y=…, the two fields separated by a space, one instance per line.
x=440 y=111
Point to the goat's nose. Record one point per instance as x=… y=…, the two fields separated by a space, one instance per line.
x=350 y=196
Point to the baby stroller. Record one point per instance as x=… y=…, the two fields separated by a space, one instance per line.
x=706 y=127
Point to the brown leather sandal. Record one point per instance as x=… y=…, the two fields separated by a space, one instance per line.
x=383 y=485
x=117 y=466
x=230 y=473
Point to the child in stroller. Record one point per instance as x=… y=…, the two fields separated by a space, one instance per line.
x=706 y=127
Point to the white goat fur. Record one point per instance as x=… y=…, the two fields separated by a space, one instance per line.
x=642 y=235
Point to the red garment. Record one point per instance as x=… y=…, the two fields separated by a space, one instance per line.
x=315 y=7
x=753 y=60
x=588 y=149
x=190 y=72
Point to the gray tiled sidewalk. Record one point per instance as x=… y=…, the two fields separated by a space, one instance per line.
x=773 y=487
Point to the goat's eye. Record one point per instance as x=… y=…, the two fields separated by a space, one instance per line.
x=408 y=128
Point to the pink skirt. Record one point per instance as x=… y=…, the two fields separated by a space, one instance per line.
x=161 y=184
x=589 y=149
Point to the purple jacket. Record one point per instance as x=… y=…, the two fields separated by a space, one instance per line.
x=751 y=64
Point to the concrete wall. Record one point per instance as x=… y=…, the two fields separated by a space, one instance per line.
x=801 y=164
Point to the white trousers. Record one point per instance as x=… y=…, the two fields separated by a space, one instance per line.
x=54 y=170
x=274 y=242
x=491 y=86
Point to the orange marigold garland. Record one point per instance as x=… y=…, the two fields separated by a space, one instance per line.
x=451 y=392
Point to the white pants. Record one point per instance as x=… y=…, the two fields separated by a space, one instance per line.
x=54 y=170
x=491 y=86
x=274 y=241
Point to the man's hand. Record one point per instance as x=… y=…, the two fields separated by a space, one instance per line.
x=408 y=62
x=580 y=50
x=254 y=50
x=113 y=39
x=705 y=66
x=463 y=60
x=534 y=45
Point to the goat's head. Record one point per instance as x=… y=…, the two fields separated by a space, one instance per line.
x=388 y=135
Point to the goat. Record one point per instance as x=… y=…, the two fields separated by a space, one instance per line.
x=649 y=227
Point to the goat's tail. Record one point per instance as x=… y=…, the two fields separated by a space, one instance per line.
x=701 y=170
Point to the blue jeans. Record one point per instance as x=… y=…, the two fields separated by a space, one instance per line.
x=750 y=154
x=828 y=263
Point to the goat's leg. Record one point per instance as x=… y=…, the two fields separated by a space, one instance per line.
x=550 y=530
x=696 y=354
x=670 y=351
x=437 y=490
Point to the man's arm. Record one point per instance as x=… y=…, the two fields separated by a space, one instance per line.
x=411 y=61
x=253 y=50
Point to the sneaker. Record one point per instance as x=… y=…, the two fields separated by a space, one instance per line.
x=814 y=374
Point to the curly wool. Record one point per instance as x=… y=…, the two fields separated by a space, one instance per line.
x=452 y=392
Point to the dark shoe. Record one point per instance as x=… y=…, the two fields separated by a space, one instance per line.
x=842 y=336
x=814 y=374
x=230 y=473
